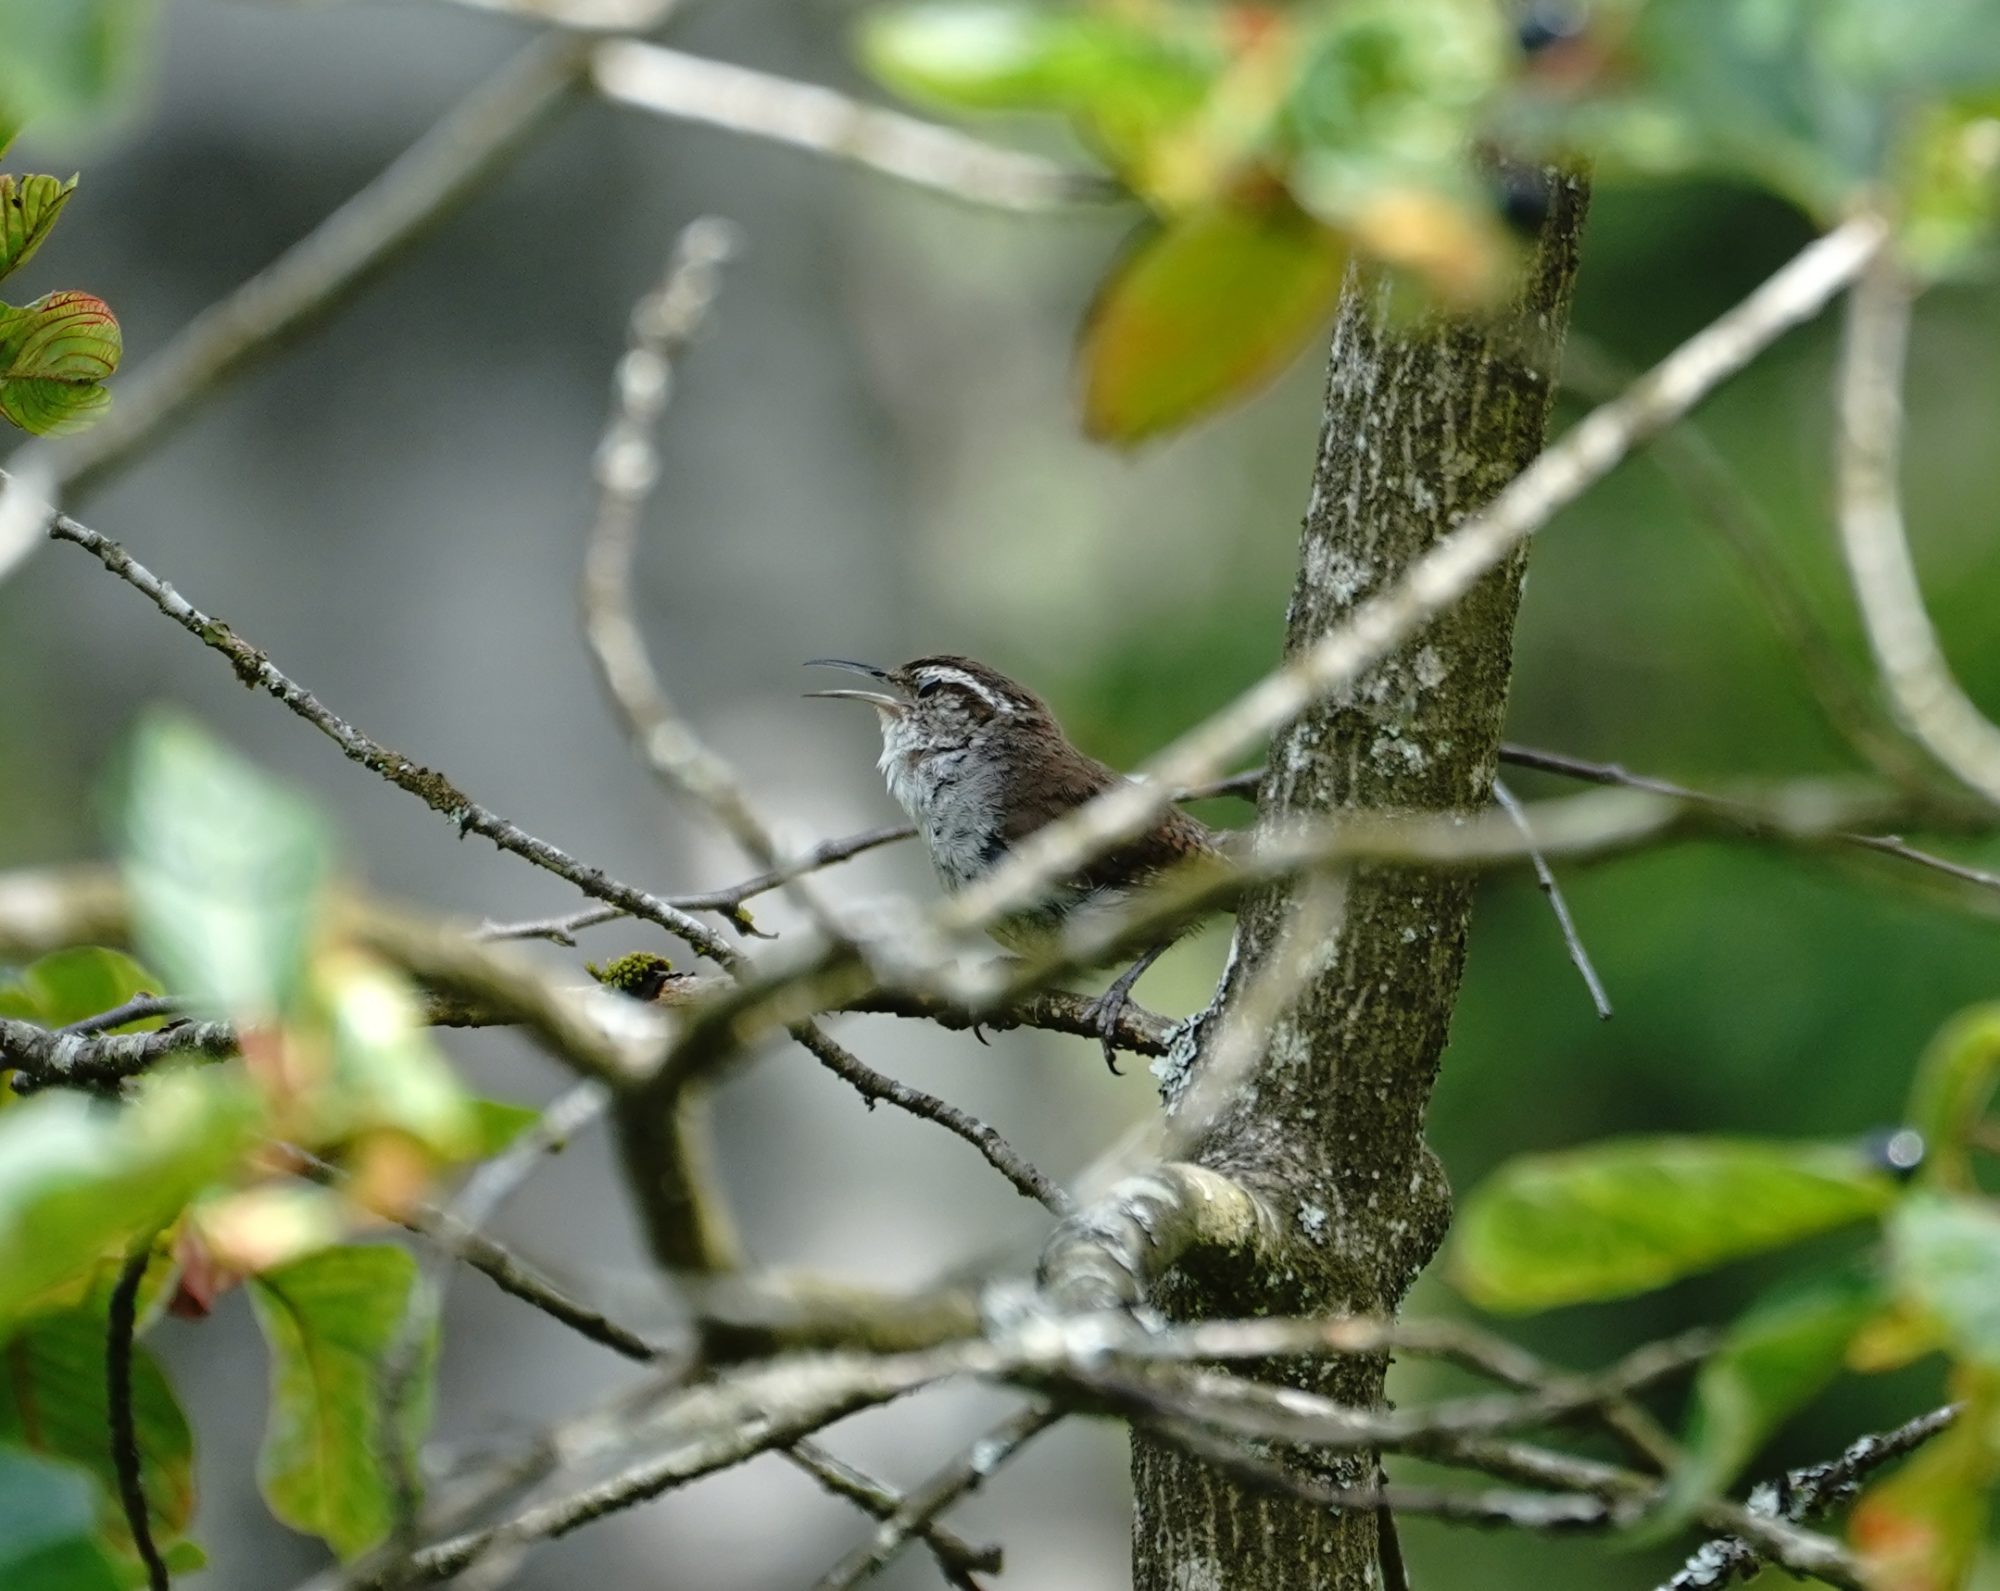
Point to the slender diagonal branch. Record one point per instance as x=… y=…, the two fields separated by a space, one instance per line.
x=1929 y=701
x=873 y=1085
x=1804 y=1494
x=255 y=669
x=627 y=470
x=962 y=1476
x=1545 y=877
x=820 y=121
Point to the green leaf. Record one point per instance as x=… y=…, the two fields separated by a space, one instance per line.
x=80 y=1179
x=28 y=209
x=1945 y=1254
x=1132 y=84
x=53 y=356
x=329 y=1319
x=70 y=59
x=225 y=868
x=48 y=1515
x=1202 y=311
x=1954 y=1083
x=498 y=1122
x=68 y=985
x=1815 y=100
x=1776 y=1358
x=980 y=55
x=1623 y=1217
x=1948 y=177
x=53 y=1401
x=986 y=55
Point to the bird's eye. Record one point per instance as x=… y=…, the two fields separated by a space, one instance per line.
x=929 y=687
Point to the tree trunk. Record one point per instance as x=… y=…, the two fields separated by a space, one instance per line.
x=1424 y=422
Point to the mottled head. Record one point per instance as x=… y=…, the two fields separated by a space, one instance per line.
x=941 y=703
x=936 y=706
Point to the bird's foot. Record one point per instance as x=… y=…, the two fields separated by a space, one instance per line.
x=1102 y=1014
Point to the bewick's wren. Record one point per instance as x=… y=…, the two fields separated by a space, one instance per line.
x=979 y=762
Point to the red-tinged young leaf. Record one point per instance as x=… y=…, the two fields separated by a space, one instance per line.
x=1626 y=1216
x=1920 y=1529
x=53 y=1402
x=54 y=353
x=1202 y=311
x=28 y=208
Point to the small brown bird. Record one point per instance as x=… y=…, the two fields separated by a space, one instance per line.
x=979 y=763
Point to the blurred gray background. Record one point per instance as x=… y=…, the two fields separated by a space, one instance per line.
x=874 y=453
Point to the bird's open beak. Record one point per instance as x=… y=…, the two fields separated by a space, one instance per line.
x=887 y=704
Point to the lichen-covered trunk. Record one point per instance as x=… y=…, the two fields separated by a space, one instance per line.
x=1424 y=422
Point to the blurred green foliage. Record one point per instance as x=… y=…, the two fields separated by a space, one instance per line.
x=1271 y=142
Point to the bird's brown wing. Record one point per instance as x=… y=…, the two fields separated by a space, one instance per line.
x=1060 y=786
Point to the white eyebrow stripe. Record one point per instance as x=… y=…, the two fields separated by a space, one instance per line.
x=940 y=675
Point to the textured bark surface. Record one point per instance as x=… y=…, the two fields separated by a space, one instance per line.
x=1424 y=422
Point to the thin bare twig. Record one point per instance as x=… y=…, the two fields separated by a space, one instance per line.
x=957 y=1559
x=1611 y=773
x=584 y=16
x=448 y=1228
x=1546 y=879
x=505 y=1269
x=872 y=1085
x=1929 y=701
x=1802 y=1494
x=140 y=1008
x=125 y=1457
x=627 y=470
x=821 y=121
x=256 y=669
x=962 y=1476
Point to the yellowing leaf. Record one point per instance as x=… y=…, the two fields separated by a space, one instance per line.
x=54 y=353
x=1202 y=311
x=329 y=1320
